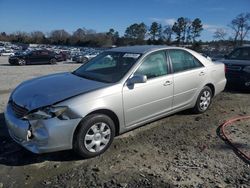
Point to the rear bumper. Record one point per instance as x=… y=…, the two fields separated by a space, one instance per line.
x=238 y=79
x=41 y=136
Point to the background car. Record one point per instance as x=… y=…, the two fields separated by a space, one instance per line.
x=61 y=56
x=238 y=67
x=84 y=57
x=7 y=52
x=33 y=57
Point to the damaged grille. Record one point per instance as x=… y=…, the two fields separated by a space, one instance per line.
x=18 y=110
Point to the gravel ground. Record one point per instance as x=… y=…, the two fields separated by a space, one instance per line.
x=183 y=150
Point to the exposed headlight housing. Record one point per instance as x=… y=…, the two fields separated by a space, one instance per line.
x=247 y=69
x=47 y=113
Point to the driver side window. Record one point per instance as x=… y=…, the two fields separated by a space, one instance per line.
x=154 y=65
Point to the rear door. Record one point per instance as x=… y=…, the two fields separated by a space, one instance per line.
x=34 y=57
x=45 y=56
x=143 y=101
x=189 y=76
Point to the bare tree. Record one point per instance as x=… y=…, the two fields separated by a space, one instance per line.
x=59 y=36
x=241 y=27
x=220 y=34
x=167 y=33
x=37 y=37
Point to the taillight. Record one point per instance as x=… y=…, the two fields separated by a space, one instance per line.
x=225 y=68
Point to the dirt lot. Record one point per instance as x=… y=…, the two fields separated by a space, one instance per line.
x=183 y=150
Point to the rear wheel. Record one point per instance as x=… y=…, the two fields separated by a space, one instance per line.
x=52 y=61
x=94 y=136
x=204 y=100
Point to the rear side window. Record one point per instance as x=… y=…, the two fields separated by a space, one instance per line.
x=240 y=54
x=154 y=65
x=44 y=53
x=183 y=61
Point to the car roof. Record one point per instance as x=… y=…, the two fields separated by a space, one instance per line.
x=141 y=49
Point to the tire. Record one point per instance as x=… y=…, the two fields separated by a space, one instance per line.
x=204 y=100
x=94 y=136
x=84 y=60
x=21 y=62
x=52 y=61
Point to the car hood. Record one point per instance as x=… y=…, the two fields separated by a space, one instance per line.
x=235 y=62
x=47 y=90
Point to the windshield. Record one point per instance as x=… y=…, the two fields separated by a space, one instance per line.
x=240 y=54
x=108 y=67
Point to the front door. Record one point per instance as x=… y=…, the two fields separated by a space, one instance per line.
x=143 y=101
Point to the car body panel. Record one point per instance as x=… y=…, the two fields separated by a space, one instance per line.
x=187 y=84
x=60 y=87
x=140 y=103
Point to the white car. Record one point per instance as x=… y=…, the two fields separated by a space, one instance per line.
x=119 y=90
x=7 y=53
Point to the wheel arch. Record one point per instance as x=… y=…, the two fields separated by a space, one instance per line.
x=211 y=86
x=107 y=112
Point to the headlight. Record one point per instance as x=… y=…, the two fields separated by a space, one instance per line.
x=46 y=113
x=247 y=69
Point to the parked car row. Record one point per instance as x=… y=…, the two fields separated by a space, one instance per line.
x=84 y=57
x=237 y=62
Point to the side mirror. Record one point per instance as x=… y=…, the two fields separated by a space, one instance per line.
x=137 y=79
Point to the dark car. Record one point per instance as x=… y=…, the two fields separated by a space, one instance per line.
x=238 y=67
x=62 y=56
x=33 y=57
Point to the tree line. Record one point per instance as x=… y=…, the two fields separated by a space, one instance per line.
x=138 y=33
x=240 y=27
x=184 y=31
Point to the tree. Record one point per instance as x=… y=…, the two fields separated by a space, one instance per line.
x=136 y=31
x=241 y=27
x=59 y=36
x=153 y=30
x=220 y=34
x=113 y=35
x=3 y=36
x=188 y=29
x=196 y=28
x=20 y=37
x=78 y=36
x=37 y=37
x=167 y=33
x=179 y=30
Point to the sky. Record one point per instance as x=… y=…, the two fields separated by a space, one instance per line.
x=100 y=15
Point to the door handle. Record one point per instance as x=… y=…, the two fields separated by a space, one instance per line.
x=167 y=83
x=202 y=73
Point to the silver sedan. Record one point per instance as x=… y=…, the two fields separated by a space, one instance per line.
x=115 y=92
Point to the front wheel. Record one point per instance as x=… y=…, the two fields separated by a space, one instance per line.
x=21 y=62
x=203 y=101
x=94 y=135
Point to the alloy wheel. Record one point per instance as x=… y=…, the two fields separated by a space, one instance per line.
x=205 y=100
x=97 y=137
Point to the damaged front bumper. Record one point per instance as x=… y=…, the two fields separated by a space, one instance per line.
x=41 y=136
